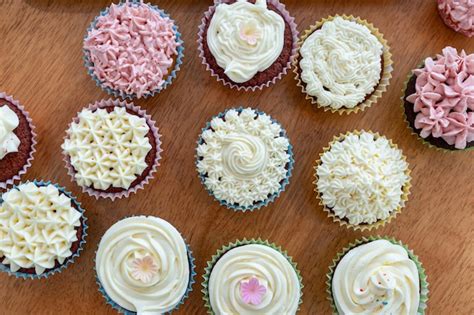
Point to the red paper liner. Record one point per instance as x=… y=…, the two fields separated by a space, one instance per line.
x=30 y=159
x=286 y=16
x=151 y=124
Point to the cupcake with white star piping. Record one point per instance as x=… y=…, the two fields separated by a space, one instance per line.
x=244 y=158
x=111 y=149
x=144 y=266
x=362 y=180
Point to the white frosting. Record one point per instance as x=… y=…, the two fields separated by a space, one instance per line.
x=376 y=278
x=361 y=178
x=341 y=63
x=244 y=157
x=245 y=38
x=9 y=142
x=272 y=270
x=107 y=149
x=135 y=238
x=37 y=227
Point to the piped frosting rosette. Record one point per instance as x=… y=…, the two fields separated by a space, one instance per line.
x=377 y=275
x=144 y=266
x=362 y=180
x=345 y=67
x=112 y=149
x=252 y=277
x=8 y=131
x=438 y=100
x=244 y=159
x=458 y=14
x=133 y=49
x=42 y=230
x=252 y=42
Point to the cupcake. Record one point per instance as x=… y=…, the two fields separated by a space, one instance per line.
x=17 y=140
x=112 y=149
x=42 y=230
x=439 y=100
x=247 y=45
x=377 y=275
x=133 y=49
x=362 y=180
x=144 y=266
x=344 y=64
x=458 y=14
x=252 y=277
x=244 y=159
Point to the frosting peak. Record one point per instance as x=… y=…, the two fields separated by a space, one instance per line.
x=458 y=14
x=245 y=38
x=131 y=48
x=9 y=142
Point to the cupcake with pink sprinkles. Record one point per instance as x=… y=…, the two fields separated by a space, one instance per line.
x=439 y=100
x=133 y=50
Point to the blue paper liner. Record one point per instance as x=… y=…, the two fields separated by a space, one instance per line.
x=271 y=198
x=121 y=310
x=70 y=259
x=178 y=60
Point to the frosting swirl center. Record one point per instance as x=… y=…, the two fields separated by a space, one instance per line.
x=9 y=142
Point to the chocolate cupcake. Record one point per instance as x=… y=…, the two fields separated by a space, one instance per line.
x=343 y=65
x=112 y=149
x=17 y=140
x=133 y=49
x=439 y=100
x=458 y=14
x=247 y=44
x=42 y=230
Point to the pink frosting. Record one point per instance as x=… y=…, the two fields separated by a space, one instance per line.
x=444 y=98
x=132 y=48
x=458 y=14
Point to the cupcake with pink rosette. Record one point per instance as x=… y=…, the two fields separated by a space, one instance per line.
x=247 y=45
x=112 y=149
x=458 y=14
x=439 y=100
x=133 y=49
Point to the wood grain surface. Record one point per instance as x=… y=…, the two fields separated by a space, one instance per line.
x=41 y=65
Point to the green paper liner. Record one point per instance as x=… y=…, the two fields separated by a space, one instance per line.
x=237 y=243
x=413 y=132
x=380 y=88
x=424 y=291
x=378 y=223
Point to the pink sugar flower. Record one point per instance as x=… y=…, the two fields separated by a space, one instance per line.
x=144 y=269
x=252 y=292
x=250 y=33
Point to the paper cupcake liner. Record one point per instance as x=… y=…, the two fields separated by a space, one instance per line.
x=344 y=222
x=286 y=16
x=151 y=124
x=384 y=79
x=269 y=199
x=171 y=76
x=421 y=271
x=11 y=181
x=69 y=260
x=121 y=310
x=413 y=132
x=210 y=265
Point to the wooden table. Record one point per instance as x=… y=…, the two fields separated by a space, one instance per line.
x=41 y=65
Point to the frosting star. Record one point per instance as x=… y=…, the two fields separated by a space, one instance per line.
x=144 y=269
x=252 y=291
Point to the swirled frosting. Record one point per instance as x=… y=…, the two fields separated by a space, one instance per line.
x=376 y=278
x=245 y=38
x=458 y=14
x=9 y=142
x=132 y=48
x=341 y=63
x=243 y=157
x=361 y=178
x=37 y=227
x=107 y=149
x=243 y=263
x=139 y=246
x=444 y=98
